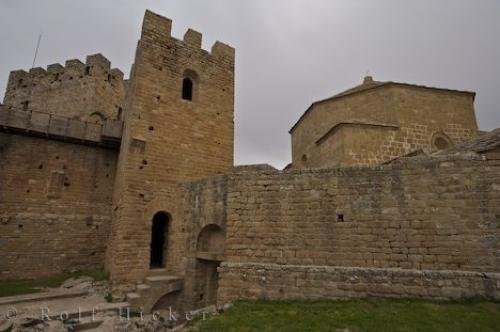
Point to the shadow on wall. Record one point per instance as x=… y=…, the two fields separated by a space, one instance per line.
x=210 y=251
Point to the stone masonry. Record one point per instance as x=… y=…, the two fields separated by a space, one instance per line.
x=168 y=140
x=425 y=228
x=55 y=200
x=137 y=177
x=376 y=122
x=89 y=91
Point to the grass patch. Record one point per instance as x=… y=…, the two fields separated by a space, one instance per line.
x=19 y=287
x=355 y=316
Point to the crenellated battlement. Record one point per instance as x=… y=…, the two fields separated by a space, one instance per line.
x=74 y=65
x=55 y=68
x=159 y=28
x=222 y=50
x=96 y=66
x=37 y=72
x=76 y=89
x=193 y=38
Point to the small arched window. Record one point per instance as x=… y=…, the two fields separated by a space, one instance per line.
x=441 y=142
x=190 y=85
x=96 y=118
x=187 y=89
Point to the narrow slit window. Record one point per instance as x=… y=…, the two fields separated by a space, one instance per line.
x=187 y=89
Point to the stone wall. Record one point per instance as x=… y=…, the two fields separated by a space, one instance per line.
x=89 y=91
x=55 y=206
x=205 y=223
x=430 y=215
x=275 y=282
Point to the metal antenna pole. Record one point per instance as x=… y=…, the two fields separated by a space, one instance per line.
x=36 y=50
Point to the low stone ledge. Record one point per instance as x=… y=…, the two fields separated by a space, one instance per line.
x=274 y=281
x=44 y=296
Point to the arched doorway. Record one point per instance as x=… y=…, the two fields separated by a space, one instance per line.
x=209 y=254
x=159 y=238
x=211 y=239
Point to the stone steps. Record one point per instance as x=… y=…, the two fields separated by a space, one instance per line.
x=155 y=272
x=157 y=284
x=143 y=287
x=132 y=296
x=162 y=278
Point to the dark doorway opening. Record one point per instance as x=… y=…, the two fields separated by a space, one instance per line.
x=210 y=251
x=206 y=282
x=159 y=237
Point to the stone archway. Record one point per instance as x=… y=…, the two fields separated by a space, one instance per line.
x=209 y=253
x=96 y=118
x=169 y=301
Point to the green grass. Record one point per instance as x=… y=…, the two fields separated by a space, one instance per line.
x=18 y=287
x=354 y=316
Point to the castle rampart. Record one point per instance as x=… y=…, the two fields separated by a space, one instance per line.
x=40 y=124
x=77 y=90
x=422 y=229
x=55 y=205
x=59 y=141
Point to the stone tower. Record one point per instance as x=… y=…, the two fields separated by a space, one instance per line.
x=178 y=127
x=90 y=91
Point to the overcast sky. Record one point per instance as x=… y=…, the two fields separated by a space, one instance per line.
x=289 y=52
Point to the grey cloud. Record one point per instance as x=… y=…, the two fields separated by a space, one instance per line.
x=289 y=52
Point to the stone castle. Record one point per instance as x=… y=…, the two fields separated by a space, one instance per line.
x=391 y=192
